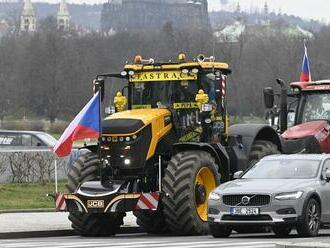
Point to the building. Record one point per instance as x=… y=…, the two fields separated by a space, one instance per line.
x=63 y=17
x=119 y=15
x=28 y=18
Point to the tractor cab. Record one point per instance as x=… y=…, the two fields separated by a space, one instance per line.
x=186 y=89
x=304 y=123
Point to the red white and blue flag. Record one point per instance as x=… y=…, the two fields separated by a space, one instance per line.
x=85 y=125
x=305 y=75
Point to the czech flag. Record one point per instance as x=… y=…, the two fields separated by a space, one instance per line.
x=85 y=125
x=305 y=75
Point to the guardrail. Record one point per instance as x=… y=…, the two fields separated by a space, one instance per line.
x=25 y=165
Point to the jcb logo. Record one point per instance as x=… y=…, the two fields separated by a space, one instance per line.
x=95 y=204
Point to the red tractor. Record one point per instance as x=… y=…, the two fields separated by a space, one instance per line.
x=304 y=123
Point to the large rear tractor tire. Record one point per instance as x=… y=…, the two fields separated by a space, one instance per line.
x=260 y=149
x=86 y=168
x=188 y=180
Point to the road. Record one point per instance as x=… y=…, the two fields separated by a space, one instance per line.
x=144 y=240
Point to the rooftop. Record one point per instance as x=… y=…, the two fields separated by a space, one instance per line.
x=297 y=157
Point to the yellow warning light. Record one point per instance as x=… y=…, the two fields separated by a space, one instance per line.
x=138 y=59
x=182 y=57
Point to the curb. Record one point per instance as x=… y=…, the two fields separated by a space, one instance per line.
x=59 y=233
x=36 y=234
x=306 y=245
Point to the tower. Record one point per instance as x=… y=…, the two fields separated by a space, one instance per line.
x=28 y=18
x=266 y=9
x=63 y=17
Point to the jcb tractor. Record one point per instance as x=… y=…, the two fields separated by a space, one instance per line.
x=304 y=123
x=163 y=151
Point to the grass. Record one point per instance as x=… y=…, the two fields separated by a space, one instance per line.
x=28 y=195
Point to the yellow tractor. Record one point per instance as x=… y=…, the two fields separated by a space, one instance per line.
x=162 y=152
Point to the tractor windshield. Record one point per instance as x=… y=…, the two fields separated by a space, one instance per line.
x=156 y=94
x=315 y=106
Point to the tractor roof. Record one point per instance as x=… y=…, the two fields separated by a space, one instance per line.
x=314 y=85
x=178 y=66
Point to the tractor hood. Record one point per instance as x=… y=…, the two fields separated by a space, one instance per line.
x=305 y=129
x=148 y=126
x=131 y=121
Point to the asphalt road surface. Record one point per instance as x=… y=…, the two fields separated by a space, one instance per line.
x=145 y=240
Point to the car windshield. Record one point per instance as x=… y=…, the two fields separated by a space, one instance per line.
x=316 y=107
x=283 y=169
x=163 y=93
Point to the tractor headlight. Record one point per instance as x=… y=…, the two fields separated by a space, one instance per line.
x=214 y=196
x=195 y=70
x=207 y=107
x=289 y=196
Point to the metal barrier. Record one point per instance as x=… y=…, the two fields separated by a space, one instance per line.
x=25 y=165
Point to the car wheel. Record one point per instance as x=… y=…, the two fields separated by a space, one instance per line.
x=220 y=231
x=282 y=231
x=310 y=224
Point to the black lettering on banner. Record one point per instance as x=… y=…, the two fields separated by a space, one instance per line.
x=138 y=75
x=152 y=76
x=174 y=75
x=158 y=75
x=166 y=76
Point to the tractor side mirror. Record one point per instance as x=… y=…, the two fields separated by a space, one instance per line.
x=269 y=97
x=238 y=174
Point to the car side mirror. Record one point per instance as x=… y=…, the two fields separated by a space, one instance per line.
x=269 y=97
x=327 y=175
x=238 y=174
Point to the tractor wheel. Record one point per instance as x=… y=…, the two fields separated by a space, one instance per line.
x=189 y=178
x=260 y=149
x=152 y=222
x=86 y=168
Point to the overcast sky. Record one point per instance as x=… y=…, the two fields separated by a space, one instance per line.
x=316 y=9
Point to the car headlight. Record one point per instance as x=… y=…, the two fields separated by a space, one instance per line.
x=214 y=196
x=289 y=196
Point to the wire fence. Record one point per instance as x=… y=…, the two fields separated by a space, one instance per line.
x=20 y=165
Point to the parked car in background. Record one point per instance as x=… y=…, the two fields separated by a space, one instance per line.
x=282 y=191
x=11 y=138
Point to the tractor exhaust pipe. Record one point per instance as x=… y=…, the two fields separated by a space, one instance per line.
x=283 y=106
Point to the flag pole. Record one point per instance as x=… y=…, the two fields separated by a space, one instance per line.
x=99 y=87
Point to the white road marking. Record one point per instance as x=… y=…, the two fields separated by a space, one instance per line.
x=99 y=244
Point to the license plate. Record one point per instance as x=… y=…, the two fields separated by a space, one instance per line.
x=244 y=211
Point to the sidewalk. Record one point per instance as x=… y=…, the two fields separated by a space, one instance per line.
x=44 y=222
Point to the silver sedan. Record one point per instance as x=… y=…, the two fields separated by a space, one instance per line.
x=282 y=191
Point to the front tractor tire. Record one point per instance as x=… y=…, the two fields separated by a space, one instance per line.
x=260 y=149
x=188 y=180
x=152 y=222
x=86 y=168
